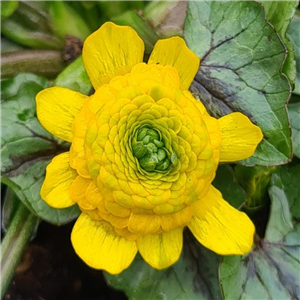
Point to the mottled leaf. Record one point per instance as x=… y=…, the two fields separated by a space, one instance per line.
x=294 y=114
x=279 y=14
x=271 y=269
x=293 y=35
x=241 y=58
x=27 y=148
x=194 y=276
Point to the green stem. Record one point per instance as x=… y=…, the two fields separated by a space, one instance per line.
x=43 y=62
x=19 y=232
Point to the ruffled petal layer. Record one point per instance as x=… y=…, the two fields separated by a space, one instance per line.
x=59 y=177
x=99 y=246
x=56 y=109
x=110 y=51
x=174 y=52
x=220 y=227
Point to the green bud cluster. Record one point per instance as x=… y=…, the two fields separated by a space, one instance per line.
x=149 y=148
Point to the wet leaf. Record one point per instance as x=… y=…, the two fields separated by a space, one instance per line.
x=194 y=276
x=241 y=57
x=26 y=147
x=294 y=114
x=271 y=269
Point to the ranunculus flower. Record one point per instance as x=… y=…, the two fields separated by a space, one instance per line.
x=143 y=155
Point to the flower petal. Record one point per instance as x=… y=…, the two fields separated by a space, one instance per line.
x=56 y=109
x=174 y=52
x=98 y=245
x=240 y=137
x=220 y=227
x=110 y=51
x=161 y=250
x=59 y=177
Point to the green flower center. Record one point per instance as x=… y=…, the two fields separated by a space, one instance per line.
x=149 y=148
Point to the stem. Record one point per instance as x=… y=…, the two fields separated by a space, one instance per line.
x=18 y=235
x=43 y=62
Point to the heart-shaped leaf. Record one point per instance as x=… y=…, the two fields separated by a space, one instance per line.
x=27 y=148
x=241 y=58
x=271 y=269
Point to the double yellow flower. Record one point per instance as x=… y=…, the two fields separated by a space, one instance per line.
x=143 y=155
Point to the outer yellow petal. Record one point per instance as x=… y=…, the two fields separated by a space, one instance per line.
x=98 y=245
x=56 y=186
x=110 y=51
x=220 y=227
x=56 y=109
x=240 y=137
x=161 y=250
x=174 y=52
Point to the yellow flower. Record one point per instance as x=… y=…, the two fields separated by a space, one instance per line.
x=143 y=155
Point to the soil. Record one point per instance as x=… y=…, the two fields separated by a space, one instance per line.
x=50 y=270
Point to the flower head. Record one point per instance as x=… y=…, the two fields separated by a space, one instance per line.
x=143 y=155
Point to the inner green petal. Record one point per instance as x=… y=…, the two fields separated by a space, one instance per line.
x=148 y=146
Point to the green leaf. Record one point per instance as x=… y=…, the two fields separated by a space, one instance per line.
x=194 y=276
x=75 y=78
x=27 y=148
x=241 y=57
x=255 y=181
x=227 y=184
x=271 y=269
x=66 y=21
x=8 y=8
x=144 y=30
x=279 y=14
x=10 y=87
x=293 y=35
x=294 y=114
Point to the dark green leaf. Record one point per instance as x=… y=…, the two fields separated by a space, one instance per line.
x=241 y=57
x=279 y=14
x=194 y=276
x=293 y=35
x=294 y=114
x=227 y=184
x=255 y=181
x=271 y=270
x=26 y=147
